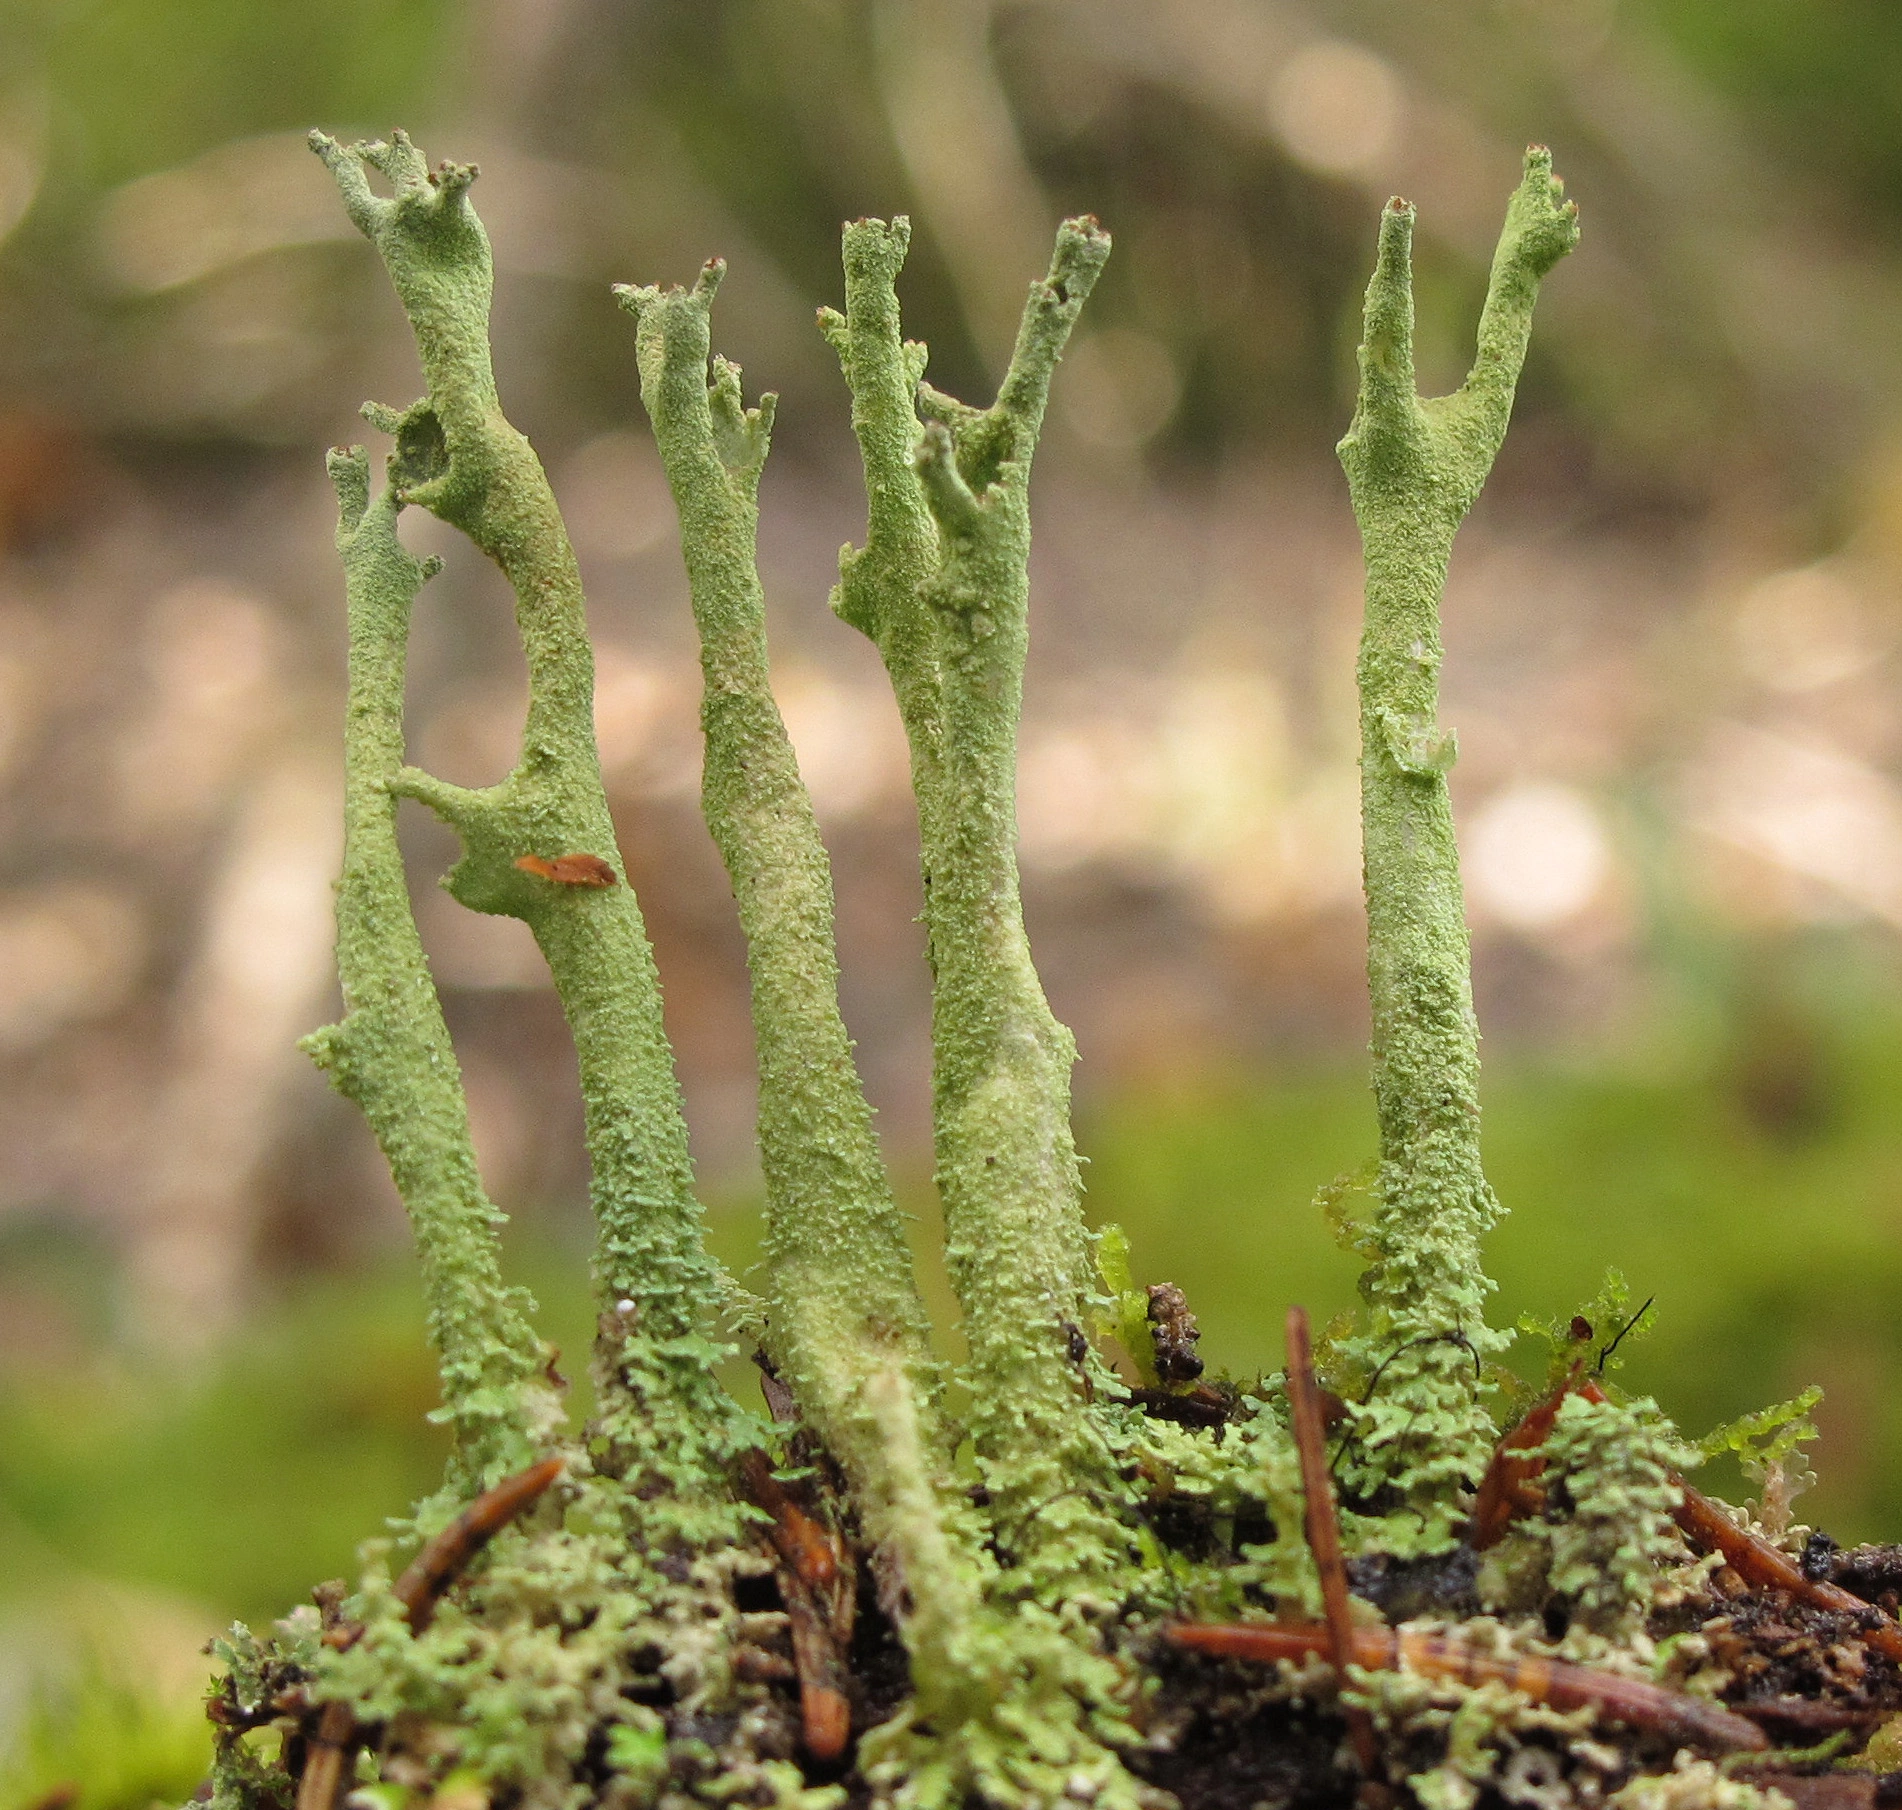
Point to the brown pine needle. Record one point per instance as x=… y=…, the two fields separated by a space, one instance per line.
x=433 y=1570
x=1323 y=1525
x=329 y=1752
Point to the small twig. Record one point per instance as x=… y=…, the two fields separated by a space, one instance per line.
x=1757 y=1562
x=1323 y=1525
x=1636 y=1702
x=759 y=1665
x=818 y=1586
x=1808 y=1716
x=327 y=1758
x=825 y=1712
x=429 y=1575
x=804 y=1544
x=425 y=1581
x=1510 y=1488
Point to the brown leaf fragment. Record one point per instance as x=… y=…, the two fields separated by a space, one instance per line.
x=569 y=870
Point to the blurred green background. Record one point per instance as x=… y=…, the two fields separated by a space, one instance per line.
x=1672 y=634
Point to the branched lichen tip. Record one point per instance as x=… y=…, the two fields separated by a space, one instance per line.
x=876 y=247
x=1081 y=251
x=349 y=469
x=1541 y=225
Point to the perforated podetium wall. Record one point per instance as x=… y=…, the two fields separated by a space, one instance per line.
x=862 y=1598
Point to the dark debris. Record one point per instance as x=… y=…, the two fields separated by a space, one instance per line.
x=1443 y=1584
x=1873 y=1573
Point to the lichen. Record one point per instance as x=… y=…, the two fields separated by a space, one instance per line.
x=662 y=1419
x=1487 y=1737
x=1694 y=1784
x=548 y=1655
x=616 y=1645
x=941 y=587
x=1611 y=1490
x=844 y=1326
x=391 y=1052
x=1414 y=468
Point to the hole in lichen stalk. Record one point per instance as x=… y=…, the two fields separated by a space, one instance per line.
x=422 y=454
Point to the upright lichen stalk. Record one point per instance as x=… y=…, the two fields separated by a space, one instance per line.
x=844 y=1325
x=601 y=1653
x=664 y=1419
x=391 y=1052
x=1415 y=467
x=941 y=587
x=1014 y=1695
x=1007 y=1705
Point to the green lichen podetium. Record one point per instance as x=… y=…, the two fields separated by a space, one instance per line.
x=842 y=1306
x=663 y=1420
x=941 y=588
x=391 y=1052
x=1414 y=467
x=1009 y=1705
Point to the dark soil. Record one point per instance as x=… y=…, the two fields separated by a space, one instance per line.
x=1220 y=1735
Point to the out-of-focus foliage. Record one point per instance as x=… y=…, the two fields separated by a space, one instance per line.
x=98 y=1737
x=1822 y=84
x=1729 y=282
x=313 y=1429
x=135 y=85
x=96 y=97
